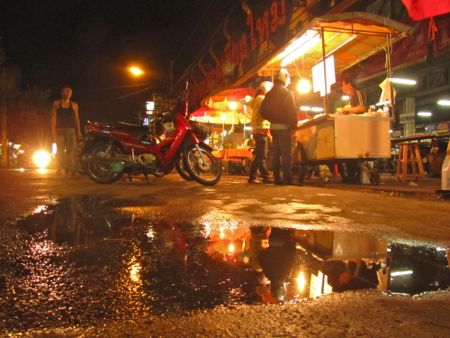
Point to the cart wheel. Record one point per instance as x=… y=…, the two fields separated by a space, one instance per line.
x=374 y=178
x=350 y=171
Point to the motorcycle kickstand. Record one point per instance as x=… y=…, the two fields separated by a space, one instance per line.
x=146 y=178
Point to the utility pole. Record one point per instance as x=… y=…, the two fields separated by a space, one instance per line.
x=4 y=136
x=171 y=77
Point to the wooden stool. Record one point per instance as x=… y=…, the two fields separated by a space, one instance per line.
x=409 y=163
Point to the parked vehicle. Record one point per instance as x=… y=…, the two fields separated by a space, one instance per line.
x=111 y=151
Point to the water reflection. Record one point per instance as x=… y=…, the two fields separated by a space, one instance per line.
x=415 y=269
x=292 y=264
x=97 y=263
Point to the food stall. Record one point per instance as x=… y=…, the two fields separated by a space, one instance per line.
x=226 y=113
x=342 y=40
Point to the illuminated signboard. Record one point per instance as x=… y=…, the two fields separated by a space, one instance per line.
x=319 y=76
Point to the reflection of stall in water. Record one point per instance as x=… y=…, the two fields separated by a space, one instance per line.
x=294 y=264
x=334 y=261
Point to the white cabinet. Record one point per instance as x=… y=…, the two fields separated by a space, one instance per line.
x=345 y=137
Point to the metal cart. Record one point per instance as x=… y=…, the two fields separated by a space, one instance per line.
x=351 y=139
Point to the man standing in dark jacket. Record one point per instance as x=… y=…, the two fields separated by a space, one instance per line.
x=279 y=109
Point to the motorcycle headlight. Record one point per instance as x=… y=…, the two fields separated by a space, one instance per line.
x=42 y=159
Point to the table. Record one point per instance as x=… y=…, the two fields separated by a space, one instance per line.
x=444 y=136
x=234 y=160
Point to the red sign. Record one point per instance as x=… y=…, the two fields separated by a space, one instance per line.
x=422 y=9
x=250 y=35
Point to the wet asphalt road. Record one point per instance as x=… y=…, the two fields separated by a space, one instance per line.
x=84 y=253
x=234 y=201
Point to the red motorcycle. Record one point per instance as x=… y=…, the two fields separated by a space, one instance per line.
x=116 y=150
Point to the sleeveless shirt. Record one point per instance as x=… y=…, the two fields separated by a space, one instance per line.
x=65 y=117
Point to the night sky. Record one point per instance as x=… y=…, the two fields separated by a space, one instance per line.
x=89 y=43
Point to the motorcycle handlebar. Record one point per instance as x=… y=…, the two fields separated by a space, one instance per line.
x=181 y=105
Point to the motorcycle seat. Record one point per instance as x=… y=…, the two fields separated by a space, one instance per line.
x=138 y=131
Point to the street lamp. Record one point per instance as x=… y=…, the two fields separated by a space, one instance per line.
x=135 y=71
x=3 y=116
x=223 y=117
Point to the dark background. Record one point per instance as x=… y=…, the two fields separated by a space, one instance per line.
x=89 y=43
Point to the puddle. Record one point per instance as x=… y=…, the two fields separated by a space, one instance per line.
x=81 y=261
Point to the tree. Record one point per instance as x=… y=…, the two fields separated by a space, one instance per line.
x=28 y=113
x=3 y=119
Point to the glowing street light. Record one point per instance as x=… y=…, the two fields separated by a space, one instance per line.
x=444 y=102
x=223 y=117
x=425 y=113
x=407 y=82
x=42 y=159
x=135 y=71
x=304 y=86
x=233 y=105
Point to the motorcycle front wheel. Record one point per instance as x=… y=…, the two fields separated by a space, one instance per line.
x=103 y=172
x=202 y=165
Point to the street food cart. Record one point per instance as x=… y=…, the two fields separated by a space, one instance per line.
x=342 y=40
x=330 y=139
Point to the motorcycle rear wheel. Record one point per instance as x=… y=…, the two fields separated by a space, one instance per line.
x=202 y=165
x=181 y=169
x=103 y=173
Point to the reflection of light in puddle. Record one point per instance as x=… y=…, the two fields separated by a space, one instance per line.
x=217 y=226
x=39 y=249
x=206 y=229
x=231 y=248
x=213 y=227
x=142 y=211
x=150 y=233
x=219 y=218
x=217 y=202
x=42 y=171
x=132 y=280
x=330 y=195
x=209 y=190
x=242 y=204
x=291 y=208
x=217 y=265
x=249 y=201
x=301 y=281
x=360 y=212
x=39 y=209
x=135 y=272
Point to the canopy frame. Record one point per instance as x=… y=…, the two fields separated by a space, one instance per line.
x=384 y=33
